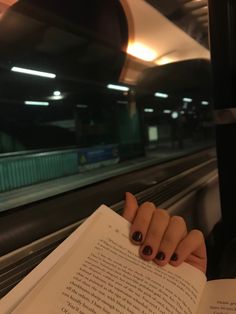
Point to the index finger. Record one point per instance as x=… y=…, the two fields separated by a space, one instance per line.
x=130 y=207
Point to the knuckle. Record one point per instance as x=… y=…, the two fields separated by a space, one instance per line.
x=148 y=206
x=178 y=220
x=198 y=234
x=168 y=241
x=163 y=213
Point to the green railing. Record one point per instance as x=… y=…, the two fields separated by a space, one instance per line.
x=18 y=171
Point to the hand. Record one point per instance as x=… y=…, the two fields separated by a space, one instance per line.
x=163 y=238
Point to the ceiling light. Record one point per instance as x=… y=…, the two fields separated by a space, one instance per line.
x=174 y=115
x=166 y=111
x=141 y=51
x=148 y=110
x=36 y=103
x=118 y=87
x=187 y=99
x=33 y=72
x=56 y=93
x=161 y=95
x=205 y=103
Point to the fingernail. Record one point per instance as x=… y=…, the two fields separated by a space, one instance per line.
x=137 y=236
x=160 y=256
x=174 y=257
x=147 y=250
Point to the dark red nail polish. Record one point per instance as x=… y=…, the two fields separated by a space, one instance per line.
x=137 y=236
x=160 y=256
x=174 y=257
x=147 y=250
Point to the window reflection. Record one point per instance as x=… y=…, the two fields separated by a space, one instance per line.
x=76 y=91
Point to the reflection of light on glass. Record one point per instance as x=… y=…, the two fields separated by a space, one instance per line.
x=166 y=111
x=118 y=87
x=164 y=60
x=36 y=103
x=59 y=97
x=141 y=51
x=148 y=110
x=152 y=133
x=187 y=99
x=56 y=93
x=161 y=95
x=174 y=115
x=205 y=103
x=33 y=72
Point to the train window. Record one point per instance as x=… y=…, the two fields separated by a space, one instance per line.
x=89 y=89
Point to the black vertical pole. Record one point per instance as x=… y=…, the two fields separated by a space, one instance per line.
x=222 y=26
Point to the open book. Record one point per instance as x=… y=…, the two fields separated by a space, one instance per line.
x=98 y=270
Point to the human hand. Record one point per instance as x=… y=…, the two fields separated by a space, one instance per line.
x=164 y=238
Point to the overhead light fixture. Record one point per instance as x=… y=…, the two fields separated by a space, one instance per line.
x=166 y=111
x=118 y=87
x=187 y=99
x=33 y=72
x=205 y=103
x=148 y=110
x=161 y=95
x=56 y=93
x=164 y=60
x=174 y=115
x=141 y=51
x=36 y=103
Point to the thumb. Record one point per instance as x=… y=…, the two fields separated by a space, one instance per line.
x=130 y=207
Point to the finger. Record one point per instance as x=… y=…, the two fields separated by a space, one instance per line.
x=154 y=234
x=141 y=222
x=191 y=249
x=175 y=232
x=130 y=207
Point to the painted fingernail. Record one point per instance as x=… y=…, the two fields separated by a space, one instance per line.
x=137 y=236
x=174 y=257
x=147 y=250
x=160 y=256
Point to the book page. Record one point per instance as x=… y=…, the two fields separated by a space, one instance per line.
x=219 y=297
x=103 y=273
x=15 y=296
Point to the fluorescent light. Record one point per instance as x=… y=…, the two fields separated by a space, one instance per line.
x=37 y=103
x=187 y=99
x=161 y=95
x=56 y=93
x=33 y=72
x=174 y=115
x=148 y=110
x=118 y=87
x=166 y=111
x=205 y=103
x=141 y=51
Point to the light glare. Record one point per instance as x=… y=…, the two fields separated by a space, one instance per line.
x=33 y=72
x=118 y=87
x=141 y=51
x=36 y=103
x=161 y=95
x=187 y=99
x=205 y=103
x=148 y=110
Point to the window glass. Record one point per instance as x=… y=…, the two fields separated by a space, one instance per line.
x=95 y=85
